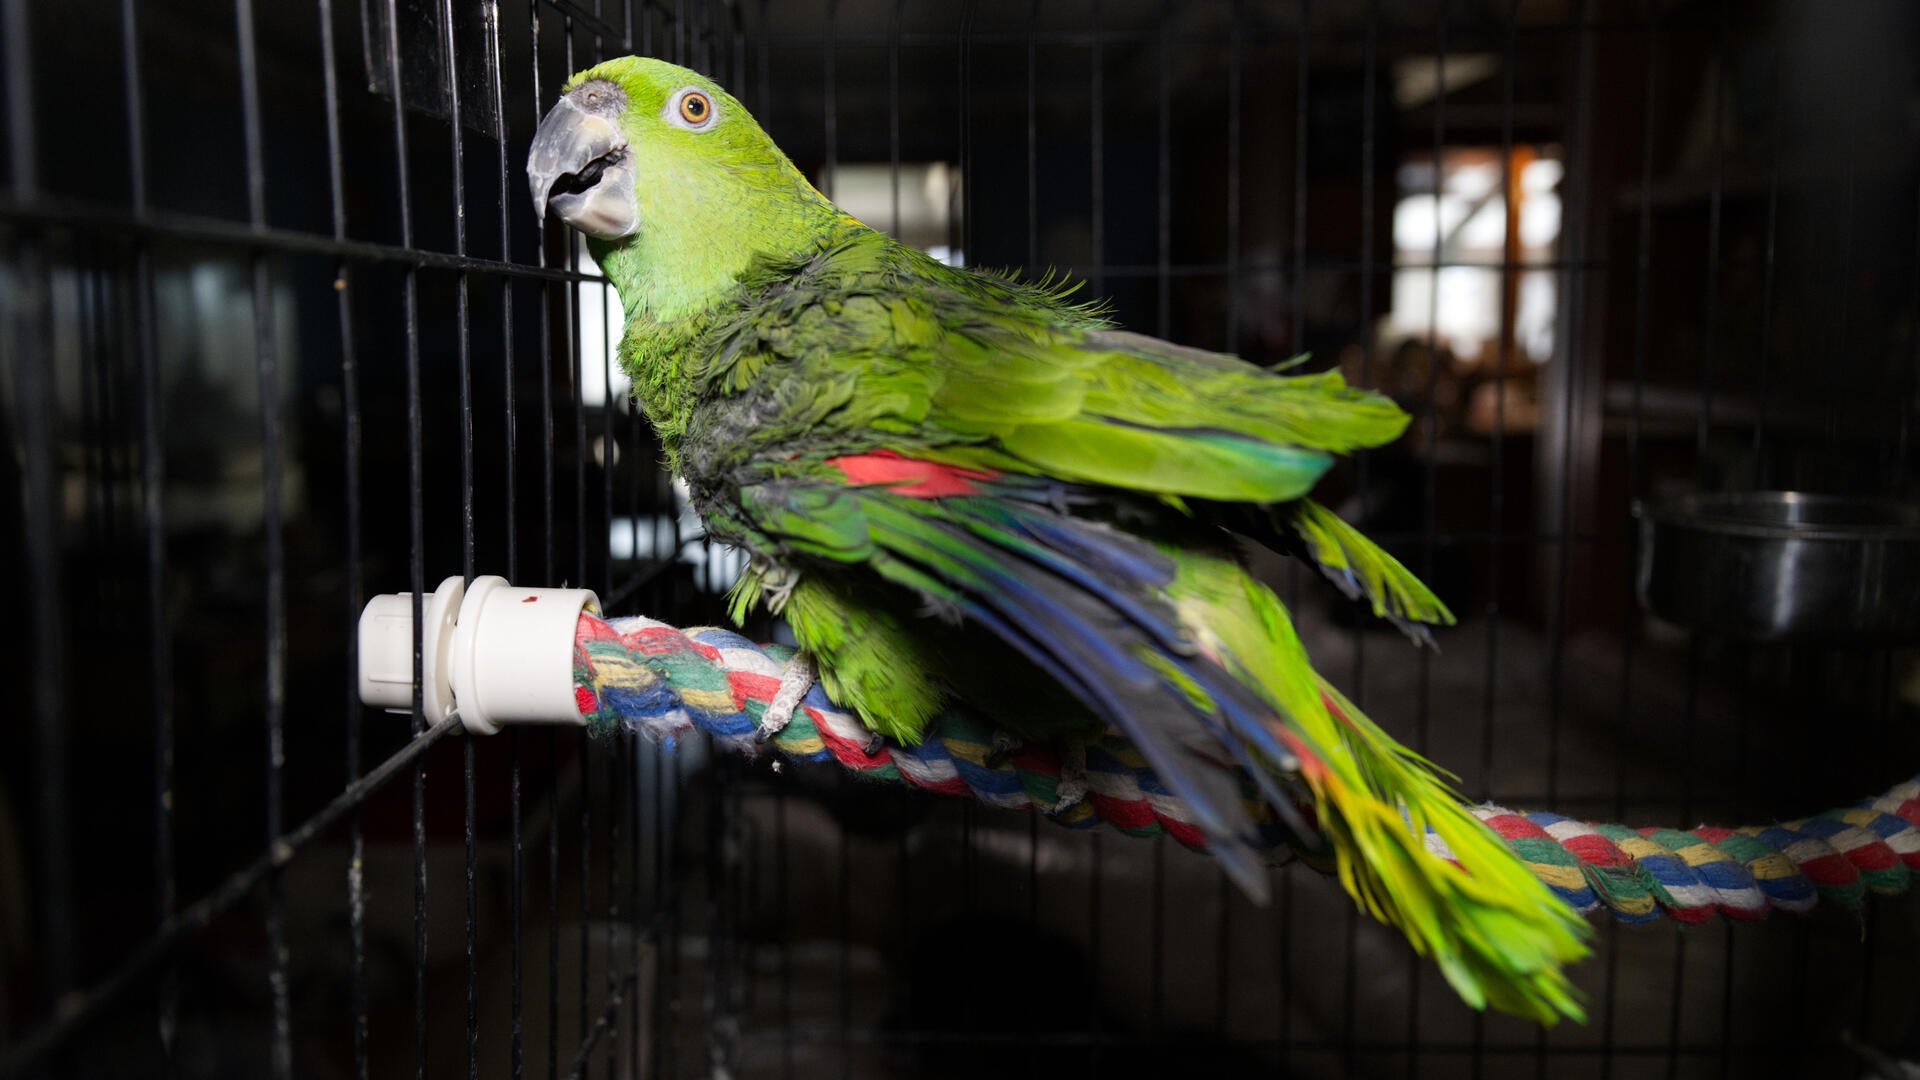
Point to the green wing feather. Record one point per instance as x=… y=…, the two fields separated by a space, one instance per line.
x=1359 y=568
x=972 y=369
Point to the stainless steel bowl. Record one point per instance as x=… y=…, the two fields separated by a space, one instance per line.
x=1780 y=565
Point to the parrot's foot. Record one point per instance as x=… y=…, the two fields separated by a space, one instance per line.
x=794 y=684
x=777 y=583
x=1072 y=789
x=1004 y=744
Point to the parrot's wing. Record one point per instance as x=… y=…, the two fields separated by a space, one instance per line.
x=1131 y=412
x=1136 y=413
x=1084 y=602
x=870 y=337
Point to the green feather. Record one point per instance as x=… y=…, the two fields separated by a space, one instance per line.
x=1361 y=569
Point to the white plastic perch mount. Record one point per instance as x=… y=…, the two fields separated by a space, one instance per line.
x=498 y=654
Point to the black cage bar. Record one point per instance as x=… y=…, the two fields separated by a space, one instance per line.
x=282 y=333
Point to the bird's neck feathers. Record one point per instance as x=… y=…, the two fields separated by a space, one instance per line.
x=697 y=237
x=688 y=260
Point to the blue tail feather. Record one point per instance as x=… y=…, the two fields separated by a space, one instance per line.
x=1084 y=632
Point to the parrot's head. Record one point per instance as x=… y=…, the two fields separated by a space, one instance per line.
x=641 y=152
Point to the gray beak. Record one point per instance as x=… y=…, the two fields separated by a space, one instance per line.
x=580 y=164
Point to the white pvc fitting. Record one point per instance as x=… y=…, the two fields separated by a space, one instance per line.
x=505 y=657
x=386 y=651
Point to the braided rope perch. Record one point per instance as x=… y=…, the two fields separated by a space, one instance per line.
x=648 y=676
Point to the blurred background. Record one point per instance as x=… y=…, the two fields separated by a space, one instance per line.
x=281 y=333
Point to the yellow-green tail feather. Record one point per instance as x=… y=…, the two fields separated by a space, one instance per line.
x=1496 y=931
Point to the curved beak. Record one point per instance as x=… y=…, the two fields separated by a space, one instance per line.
x=580 y=165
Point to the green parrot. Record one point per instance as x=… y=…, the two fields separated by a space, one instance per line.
x=965 y=490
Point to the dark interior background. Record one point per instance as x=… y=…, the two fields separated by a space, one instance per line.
x=277 y=341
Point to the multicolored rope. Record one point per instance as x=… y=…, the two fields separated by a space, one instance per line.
x=648 y=676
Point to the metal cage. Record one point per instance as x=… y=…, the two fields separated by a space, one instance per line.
x=281 y=332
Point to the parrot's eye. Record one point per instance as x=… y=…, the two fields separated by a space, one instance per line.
x=692 y=109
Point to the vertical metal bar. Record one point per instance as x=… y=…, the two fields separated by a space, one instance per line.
x=1369 y=100
x=1368 y=133
x=553 y=902
x=575 y=394
x=1097 y=155
x=549 y=547
x=1763 y=469
x=34 y=388
x=1428 y=527
x=572 y=293
x=1709 y=356
x=967 y=14
x=516 y=1061
x=844 y=934
x=1163 y=239
x=667 y=796
x=612 y=816
x=1716 y=168
x=1423 y=710
x=1763 y=472
x=1234 y=79
x=267 y=370
x=22 y=145
x=716 y=972
x=510 y=432
x=152 y=487
x=1096 y=842
x=463 y=305
x=829 y=107
x=586 y=887
x=609 y=411
x=464 y=349
x=37 y=418
x=1903 y=438
x=1573 y=325
x=510 y=438
x=90 y=375
x=631 y=755
x=1032 y=270
x=782 y=878
x=1496 y=498
x=1157 y=937
x=472 y=905
x=1302 y=93
x=893 y=114
x=546 y=340
x=1843 y=287
x=416 y=527
x=1033 y=144
x=351 y=446
x=1303 y=47
x=1643 y=260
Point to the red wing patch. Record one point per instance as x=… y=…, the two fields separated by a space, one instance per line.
x=911 y=476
